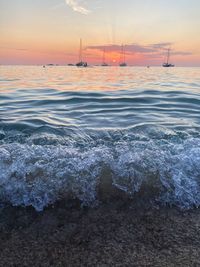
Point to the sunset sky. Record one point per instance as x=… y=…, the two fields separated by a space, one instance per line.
x=48 y=31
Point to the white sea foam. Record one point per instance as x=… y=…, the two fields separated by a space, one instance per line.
x=40 y=175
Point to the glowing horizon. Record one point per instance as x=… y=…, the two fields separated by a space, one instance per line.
x=49 y=32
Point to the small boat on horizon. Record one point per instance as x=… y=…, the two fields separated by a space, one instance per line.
x=122 y=58
x=167 y=64
x=81 y=63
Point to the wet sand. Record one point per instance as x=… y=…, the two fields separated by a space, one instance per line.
x=120 y=234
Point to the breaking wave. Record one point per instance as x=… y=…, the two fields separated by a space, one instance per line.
x=40 y=175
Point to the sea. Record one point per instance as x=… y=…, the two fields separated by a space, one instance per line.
x=67 y=132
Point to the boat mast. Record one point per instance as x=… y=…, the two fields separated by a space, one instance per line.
x=80 y=51
x=168 y=55
x=124 y=55
x=103 y=59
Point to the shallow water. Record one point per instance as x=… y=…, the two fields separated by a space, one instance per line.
x=63 y=128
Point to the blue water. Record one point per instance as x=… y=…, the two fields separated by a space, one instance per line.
x=63 y=128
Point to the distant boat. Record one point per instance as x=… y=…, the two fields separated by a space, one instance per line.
x=104 y=64
x=52 y=65
x=122 y=58
x=81 y=63
x=167 y=64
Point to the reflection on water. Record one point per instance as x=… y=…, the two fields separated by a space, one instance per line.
x=100 y=98
x=98 y=79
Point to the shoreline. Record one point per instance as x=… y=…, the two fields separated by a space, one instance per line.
x=121 y=233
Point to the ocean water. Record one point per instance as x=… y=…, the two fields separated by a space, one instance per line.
x=65 y=130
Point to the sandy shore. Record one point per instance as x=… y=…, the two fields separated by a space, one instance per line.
x=120 y=234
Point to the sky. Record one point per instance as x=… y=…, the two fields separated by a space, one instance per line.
x=49 y=31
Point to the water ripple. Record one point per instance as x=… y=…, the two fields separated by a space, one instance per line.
x=63 y=128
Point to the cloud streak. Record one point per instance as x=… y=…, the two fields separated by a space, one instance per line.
x=151 y=50
x=77 y=6
x=13 y=48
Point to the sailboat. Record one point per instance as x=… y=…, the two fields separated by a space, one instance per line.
x=167 y=64
x=81 y=63
x=122 y=58
x=104 y=64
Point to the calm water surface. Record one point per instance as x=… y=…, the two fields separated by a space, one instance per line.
x=63 y=128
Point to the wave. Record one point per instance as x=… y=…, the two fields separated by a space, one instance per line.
x=35 y=175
